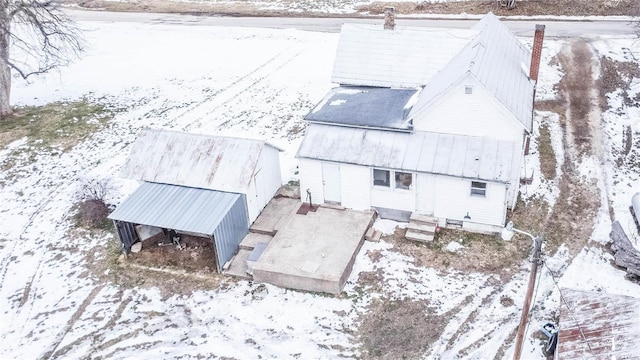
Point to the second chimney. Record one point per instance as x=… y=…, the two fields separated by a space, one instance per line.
x=389 y=18
x=536 y=53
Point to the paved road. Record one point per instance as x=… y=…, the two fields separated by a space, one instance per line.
x=555 y=28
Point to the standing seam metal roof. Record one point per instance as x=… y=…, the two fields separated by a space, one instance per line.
x=368 y=55
x=193 y=160
x=176 y=207
x=498 y=61
x=454 y=155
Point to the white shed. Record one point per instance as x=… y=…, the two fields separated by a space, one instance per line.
x=232 y=165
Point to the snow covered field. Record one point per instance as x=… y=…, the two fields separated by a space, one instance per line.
x=254 y=83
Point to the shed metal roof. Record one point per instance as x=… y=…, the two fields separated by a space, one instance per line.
x=454 y=155
x=366 y=107
x=369 y=55
x=597 y=325
x=193 y=160
x=498 y=61
x=176 y=207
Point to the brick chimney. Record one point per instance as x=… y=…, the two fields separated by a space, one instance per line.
x=536 y=53
x=389 y=18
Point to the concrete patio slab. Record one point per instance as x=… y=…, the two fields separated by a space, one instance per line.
x=314 y=252
x=275 y=215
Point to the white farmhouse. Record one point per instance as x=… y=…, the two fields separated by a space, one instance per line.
x=431 y=122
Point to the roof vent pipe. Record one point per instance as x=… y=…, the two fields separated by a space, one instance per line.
x=389 y=18
x=536 y=53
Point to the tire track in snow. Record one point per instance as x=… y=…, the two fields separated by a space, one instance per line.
x=244 y=83
x=76 y=315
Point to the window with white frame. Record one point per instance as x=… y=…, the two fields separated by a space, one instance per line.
x=403 y=180
x=381 y=177
x=478 y=188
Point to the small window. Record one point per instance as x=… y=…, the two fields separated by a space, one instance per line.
x=478 y=188
x=381 y=178
x=468 y=89
x=403 y=180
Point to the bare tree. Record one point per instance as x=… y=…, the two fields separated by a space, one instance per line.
x=35 y=37
x=509 y=4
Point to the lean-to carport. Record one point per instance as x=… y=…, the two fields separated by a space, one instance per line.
x=218 y=215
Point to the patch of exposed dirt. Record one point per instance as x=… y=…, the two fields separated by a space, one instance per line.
x=399 y=329
x=297 y=8
x=617 y=76
x=171 y=270
x=194 y=255
x=573 y=216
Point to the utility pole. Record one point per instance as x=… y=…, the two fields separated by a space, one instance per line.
x=537 y=247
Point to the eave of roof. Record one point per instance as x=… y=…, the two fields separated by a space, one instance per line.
x=453 y=155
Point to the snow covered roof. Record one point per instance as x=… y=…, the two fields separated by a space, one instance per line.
x=455 y=155
x=498 y=61
x=369 y=55
x=365 y=107
x=176 y=207
x=199 y=161
x=598 y=326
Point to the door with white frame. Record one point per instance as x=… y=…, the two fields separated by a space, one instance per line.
x=331 y=182
x=426 y=193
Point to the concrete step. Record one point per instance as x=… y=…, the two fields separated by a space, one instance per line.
x=416 y=236
x=427 y=229
x=249 y=242
x=422 y=219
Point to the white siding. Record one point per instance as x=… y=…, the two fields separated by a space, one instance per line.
x=252 y=202
x=425 y=193
x=454 y=200
x=476 y=114
x=269 y=175
x=356 y=186
x=392 y=198
x=311 y=178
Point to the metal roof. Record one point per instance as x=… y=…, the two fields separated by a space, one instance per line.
x=193 y=160
x=369 y=55
x=454 y=155
x=366 y=107
x=598 y=325
x=176 y=207
x=498 y=61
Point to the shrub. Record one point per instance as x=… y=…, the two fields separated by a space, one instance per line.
x=93 y=208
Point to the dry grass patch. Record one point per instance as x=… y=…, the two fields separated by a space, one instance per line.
x=557 y=7
x=547 y=156
x=56 y=126
x=297 y=8
x=481 y=253
x=399 y=329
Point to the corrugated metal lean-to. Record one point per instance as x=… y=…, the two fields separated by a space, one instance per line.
x=210 y=213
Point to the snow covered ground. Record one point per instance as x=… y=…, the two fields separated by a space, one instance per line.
x=246 y=82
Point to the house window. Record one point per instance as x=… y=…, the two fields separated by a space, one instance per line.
x=478 y=188
x=381 y=178
x=403 y=180
x=468 y=89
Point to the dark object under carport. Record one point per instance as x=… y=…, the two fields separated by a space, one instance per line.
x=217 y=215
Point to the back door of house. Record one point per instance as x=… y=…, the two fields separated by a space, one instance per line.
x=331 y=182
